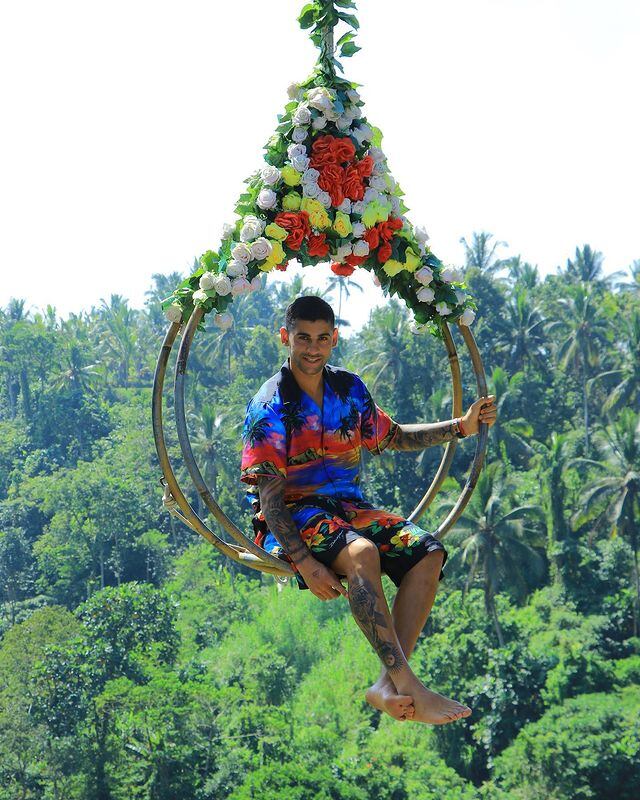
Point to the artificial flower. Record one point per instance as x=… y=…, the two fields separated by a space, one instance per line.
x=236 y=268
x=240 y=286
x=291 y=201
x=342 y=224
x=261 y=248
x=342 y=269
x=442 y=308
x=173 y=313
x=392 y=267
x=302 y=115
x=267 y=199
x=467 y=316
x=451 y=275
x=318 y=216
x=411 y=260
x=222 y=285
x=224 y=321
x=290 y=175
x=299 y=134
x=241 y=252
x=270 y=175
x=425 y=295
x=274 y=231
x=361 y=248
x=207 y=280
x=424 y=276
x=317 y=245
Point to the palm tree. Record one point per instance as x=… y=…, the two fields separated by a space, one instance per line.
x=509 y=434
x=75 y=372
x=634 y=285
x=384 y=340
x=583 y=328
x=615 y=497
x=481 y=253
x=521 y=273
x=344 y=285
x=210 y=442
x=524 y=339
x=627 y=391
x=118 y=336
x=500 y=542
x=587 y=268
x=552 y=462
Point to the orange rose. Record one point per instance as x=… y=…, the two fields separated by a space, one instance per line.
x=342 y=269
x=317 y=245
x=365 y=167
x=331 y=178
x=384 y=253
x=343 y=149
x=352 y=184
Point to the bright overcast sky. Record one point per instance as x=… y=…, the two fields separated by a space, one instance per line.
x=128 y=128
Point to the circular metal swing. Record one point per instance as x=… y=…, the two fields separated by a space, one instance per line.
x=245 y=551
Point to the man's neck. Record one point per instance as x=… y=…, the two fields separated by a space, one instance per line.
x=311 y=384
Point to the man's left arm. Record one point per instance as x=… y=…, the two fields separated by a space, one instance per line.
x=422 y=435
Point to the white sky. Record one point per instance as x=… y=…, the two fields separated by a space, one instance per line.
x=128 y=128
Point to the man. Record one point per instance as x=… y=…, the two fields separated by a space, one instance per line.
x=302 y=440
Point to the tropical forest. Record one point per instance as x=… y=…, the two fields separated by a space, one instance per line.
x=137 y=662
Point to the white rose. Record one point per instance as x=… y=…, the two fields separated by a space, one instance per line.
x=376 y=154
x=259 y=223
x=378 y=182
x=319 y=123
x=296 y=150
x=292 y=91
x=270 y=175
x=370 y=195
x=224 y=321
x=362 y=134
x=320 y=98
x=421 y=235
x=343 y=123
x=311 y=176
x=261 y=248
x=228 y=229
x=358 y=229
x=236 y=268
x=425 y=295
x=302 y=115
x=207 y=280
x=350 y=112
x=249 y=231
x=442 y=308
x=256 y=283
x=199 y=296
x=325 y=199
x=379 y=168
x=424 y=276
x=223 y=285
x=331 y=114
x=300 y=163
x=241 y=252
x=460 y=297
x=343 y=251
x=451 y=275
x=240 y=286
x=173 y=313
x=310 y=189
x=358 y=207
x=299 y=134
x=345 y=206
x=361 y=248
x=353 y=95
x=467 y=316
x=267 y=199
x=395 y=205
x=356 y=112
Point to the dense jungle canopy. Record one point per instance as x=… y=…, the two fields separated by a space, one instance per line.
x=135 y=662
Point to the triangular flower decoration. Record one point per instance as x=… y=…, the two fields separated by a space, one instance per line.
x=325 y=193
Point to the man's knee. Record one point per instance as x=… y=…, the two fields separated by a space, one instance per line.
x=360 y=555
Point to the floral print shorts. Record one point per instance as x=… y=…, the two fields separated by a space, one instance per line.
x=328 y=524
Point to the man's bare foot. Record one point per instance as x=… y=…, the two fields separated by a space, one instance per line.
x=383 y=696
x=432 y=707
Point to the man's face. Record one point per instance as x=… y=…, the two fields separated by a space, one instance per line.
x=310 y=344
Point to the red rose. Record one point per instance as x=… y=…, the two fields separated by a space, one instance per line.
x=384 y=548
x=330 y=180
x=395 y=223
x=317 y=245
x=282 y=267
x=287 y=220
x=322 y=152
x=295 y=238
x=304 y=222
x=352 y=184
x=365 y=167
x=355 y=261
x=343 y=149
x=342 y=269
x=384 y=253
x=372 y=238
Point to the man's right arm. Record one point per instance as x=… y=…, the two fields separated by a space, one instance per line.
x=321 y=581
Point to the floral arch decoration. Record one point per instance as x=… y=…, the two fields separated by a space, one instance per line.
x=325 y=192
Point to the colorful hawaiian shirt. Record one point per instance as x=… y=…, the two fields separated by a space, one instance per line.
x=317 y=450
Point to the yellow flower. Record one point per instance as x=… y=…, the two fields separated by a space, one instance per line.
x=276 y=232
x=291 y=201
x=276 y=256
x=411 y=260
x=318 y=216
x=290 y=175
x=342 y=224
x=405 y=539
x=370 y=215
x=392 y=267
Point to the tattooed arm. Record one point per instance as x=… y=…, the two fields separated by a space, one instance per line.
x=324 y=583
x=417 y=437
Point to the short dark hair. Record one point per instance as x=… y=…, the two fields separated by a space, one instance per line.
x=309 y=308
